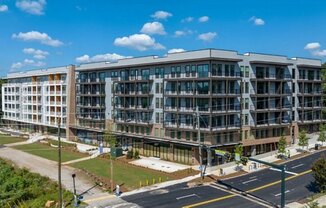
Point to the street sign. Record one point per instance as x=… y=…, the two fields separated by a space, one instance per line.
x=220 y=152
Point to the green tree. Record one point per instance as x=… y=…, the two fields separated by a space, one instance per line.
x=238 y=150
x=110 y=139
x=319 y=173
x=282 y=145
x=322 y=137
x=303 y=139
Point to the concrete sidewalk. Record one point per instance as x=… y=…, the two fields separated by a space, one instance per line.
x=158 y=164
x=230 y=168
x=321 y=203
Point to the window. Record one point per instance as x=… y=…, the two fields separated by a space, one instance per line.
x=157 y=118
x=241 y=71
x=178 y=71
x=161 y=102
x=246 y=87
x=187 y=71
x=232 y=70
x=157 y=72
x=145 y=74
x=246 y=103
x=157 y=88
x=157 y=102
x=202 y=87
x=246 y=120
x=226 y=70
x=187 y=135
x=193 y=70
x=203 y=70
x=246 y=71
x=173 y=71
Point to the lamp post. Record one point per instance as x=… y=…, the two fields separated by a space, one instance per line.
x=59 y=164
x=75 y=193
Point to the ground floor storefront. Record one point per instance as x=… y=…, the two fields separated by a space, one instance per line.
x=31 y=128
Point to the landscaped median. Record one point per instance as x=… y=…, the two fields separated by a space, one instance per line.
x=128 y=176
x=49 y=152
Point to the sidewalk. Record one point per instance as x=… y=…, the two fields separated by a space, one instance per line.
x=321 y=202
x=230 y=168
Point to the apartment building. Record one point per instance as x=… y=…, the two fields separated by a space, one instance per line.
x=152 y=103
x=39 y=100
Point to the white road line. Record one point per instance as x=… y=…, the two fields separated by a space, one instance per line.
x=187 y=196
x=252 y=177
x=297 y=166
x=275 y=169
x=279 y=194
x=245 y=182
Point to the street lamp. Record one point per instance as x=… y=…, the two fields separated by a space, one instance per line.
x=74 y=184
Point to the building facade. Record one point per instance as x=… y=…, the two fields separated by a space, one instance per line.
x=169 y=106
x=153 y=103
x=38 y=100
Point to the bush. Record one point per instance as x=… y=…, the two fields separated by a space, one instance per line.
x=136 y=156
x=130 y=154
x=319 y=173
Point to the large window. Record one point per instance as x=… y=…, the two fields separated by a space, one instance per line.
x=202 y=87
x=145 y=74
x=203 y=70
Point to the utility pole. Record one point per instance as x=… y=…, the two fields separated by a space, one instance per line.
x=111 y=170
x=200 y=145
x=59 y=165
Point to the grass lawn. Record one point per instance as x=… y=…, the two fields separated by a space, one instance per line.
x=5 y=139
x=48 y=152
x=123 y=173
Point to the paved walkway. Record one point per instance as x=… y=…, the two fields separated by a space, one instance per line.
x=77 y=160
x=158 y=164
x=94 y=197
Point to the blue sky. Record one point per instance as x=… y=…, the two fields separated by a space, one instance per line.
x=42 y=33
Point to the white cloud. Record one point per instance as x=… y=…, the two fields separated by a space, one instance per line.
x=203 y=19
x=257 y=21
x=37 y=36
x=321 y=53
x=110 y=57
x=315 y=50
x=26 y=62
x=312 y=46
x=139 y=42
x=153 y=28
x=16 y=65
x=187 y=19
x=37 y=54
x=3 y=8
x=82 y=59
x=207 y=37
x=176 y=50
x=35 y=7
x=161 y=15
x=179 y=33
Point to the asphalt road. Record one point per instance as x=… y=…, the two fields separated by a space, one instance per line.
x=264 y=184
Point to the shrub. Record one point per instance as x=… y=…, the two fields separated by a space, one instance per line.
x=130 y=154
x=136 y=156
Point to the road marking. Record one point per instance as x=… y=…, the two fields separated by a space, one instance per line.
x=98 y=198
x=252 y=177
x=251 y=190
x=187 y=196
x=297 y=166
x=279 y=194
x=245 y=182
x=275 y=169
